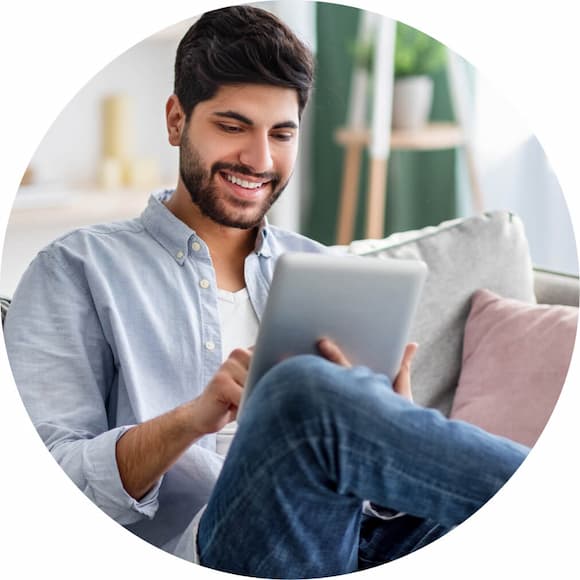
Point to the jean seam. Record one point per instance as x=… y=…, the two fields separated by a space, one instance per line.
x=242 y=498
x=296 y=443
x=432 y=484
x=416 y=476
x=258 y=474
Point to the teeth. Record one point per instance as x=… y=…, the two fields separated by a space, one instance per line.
x=243 y=182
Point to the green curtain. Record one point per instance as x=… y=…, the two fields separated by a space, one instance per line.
x=421 y=185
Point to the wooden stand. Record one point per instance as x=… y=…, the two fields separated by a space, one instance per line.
x=380 y=138
x=349 y=192
x=433 y=136
x=376 y=198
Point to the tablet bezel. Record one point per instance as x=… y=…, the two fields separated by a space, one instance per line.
x=366 y=305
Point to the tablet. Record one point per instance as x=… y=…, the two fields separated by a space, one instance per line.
x=366 y=305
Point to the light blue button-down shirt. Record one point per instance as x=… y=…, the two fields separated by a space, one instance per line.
x=113 y=325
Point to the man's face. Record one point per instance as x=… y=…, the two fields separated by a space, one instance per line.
x=238 y=150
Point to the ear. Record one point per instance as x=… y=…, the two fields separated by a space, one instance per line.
x=175 y=120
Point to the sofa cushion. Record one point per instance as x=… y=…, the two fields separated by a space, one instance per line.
x=515 y=359
x=463 y=255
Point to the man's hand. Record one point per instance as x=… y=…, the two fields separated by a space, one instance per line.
x=331 y=351
x=145 y=452
x=218 y=404
x=402 y=385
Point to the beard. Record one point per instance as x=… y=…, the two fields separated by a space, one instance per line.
x=220 y=207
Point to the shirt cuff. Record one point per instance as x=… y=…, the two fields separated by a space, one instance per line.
x=104 y=485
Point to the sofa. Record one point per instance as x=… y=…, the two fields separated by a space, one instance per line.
x=495 y=335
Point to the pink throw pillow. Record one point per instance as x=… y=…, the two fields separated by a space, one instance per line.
x=515 y=359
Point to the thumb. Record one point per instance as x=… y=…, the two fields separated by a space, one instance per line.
x=409 y=354
x=402 y=384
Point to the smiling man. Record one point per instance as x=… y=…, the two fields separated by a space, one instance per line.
x=130 y=344
x=237 y=152
x=241 y=123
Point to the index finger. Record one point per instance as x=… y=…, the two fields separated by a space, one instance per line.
x=242 y=355
x=332 y=352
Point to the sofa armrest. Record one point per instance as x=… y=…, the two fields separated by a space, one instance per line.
x=4 y=304
x=556 y=288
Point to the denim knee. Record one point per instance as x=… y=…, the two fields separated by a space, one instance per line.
x=307 y=386
x=295 y=386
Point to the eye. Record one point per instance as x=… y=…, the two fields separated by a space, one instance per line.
x=283 y=136
x=227 y=128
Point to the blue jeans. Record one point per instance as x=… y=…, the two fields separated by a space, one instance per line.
x=315 y=441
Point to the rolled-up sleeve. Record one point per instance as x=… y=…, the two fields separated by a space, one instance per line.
x=91 y=464
x=64 y=369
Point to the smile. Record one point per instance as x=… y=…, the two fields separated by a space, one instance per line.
x=244 y=183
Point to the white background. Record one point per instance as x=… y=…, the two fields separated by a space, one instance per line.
x=51 y=49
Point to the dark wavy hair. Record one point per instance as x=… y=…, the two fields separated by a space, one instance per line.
x=240 y=45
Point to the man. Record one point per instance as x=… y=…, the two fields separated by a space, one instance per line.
x=130 y=345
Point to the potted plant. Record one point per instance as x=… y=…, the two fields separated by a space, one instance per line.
x=417 y=57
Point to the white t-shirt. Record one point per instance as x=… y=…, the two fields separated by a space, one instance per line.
x=239 y=328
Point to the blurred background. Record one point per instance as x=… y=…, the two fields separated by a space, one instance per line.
x=462 y=151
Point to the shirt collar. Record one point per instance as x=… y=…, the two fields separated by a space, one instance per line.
x=166 y=228
x=262 y=247
x=174 y=235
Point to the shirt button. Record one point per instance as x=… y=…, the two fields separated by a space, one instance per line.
x=210 y=345
x=204 y=283
x=196 y=246
x=179 y=255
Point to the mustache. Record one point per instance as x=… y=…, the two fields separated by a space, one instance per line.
x=244 y=170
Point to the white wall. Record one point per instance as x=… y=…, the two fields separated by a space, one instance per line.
x=70 y=152
x=515 y=174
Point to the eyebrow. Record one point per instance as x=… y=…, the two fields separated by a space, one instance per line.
x=243 y=119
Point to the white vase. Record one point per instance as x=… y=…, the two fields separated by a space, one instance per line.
x=412 y=100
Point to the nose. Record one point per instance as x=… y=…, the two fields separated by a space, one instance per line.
x=256 y=153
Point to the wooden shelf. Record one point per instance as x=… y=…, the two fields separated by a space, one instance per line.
x=433 y=136
x=74 y=207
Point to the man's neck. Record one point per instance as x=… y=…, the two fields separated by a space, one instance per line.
x=228 y=246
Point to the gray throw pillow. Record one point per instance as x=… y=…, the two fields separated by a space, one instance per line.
x=488 y=251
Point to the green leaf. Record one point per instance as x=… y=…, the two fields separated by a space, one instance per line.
x=416 y=53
